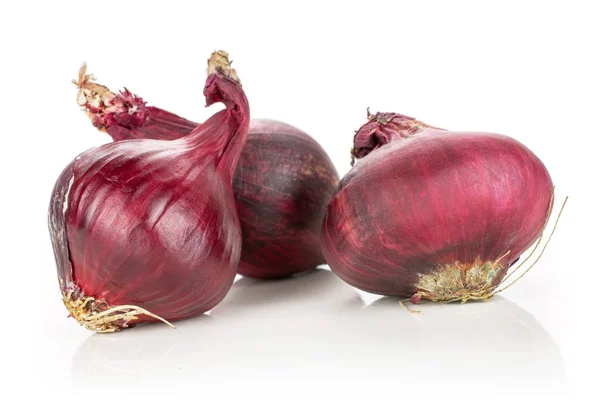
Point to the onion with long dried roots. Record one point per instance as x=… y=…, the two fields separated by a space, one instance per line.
x=147 y=230
x=432 y=214
x=282 y=184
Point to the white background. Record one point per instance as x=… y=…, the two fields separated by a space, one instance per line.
x=526 y=69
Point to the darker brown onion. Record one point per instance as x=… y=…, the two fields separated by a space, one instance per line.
x=282 y=186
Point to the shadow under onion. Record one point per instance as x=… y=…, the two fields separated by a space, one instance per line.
x=315 y=328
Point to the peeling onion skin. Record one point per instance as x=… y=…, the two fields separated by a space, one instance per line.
x=282 y=184
x=421 y=198
x=153 y=223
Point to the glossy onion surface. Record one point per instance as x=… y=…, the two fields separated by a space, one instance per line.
x=144 y=228
x=282 y=184
x=434 y=213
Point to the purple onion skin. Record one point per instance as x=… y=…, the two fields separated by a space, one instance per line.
x=282 y=185
x=426 y=199
x=139 y=235
x=151 y=223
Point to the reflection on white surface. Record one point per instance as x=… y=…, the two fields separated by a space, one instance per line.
x=314 y=327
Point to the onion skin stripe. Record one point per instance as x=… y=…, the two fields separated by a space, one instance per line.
x=425 y=200
x=146 y=230
x=282 y=183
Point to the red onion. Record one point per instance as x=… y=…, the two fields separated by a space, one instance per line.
x=147 y=229
x=428 y=213
x=282 y=184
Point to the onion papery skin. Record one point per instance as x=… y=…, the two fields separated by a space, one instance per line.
x=282 y=184
x=431 y=213
x=151 y=225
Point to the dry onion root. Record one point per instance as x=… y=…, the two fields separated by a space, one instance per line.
x=97 y=316
x=488 y=291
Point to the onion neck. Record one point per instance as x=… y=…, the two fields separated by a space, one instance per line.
x=381 y=129
x=124 y=115
x=224 y=134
